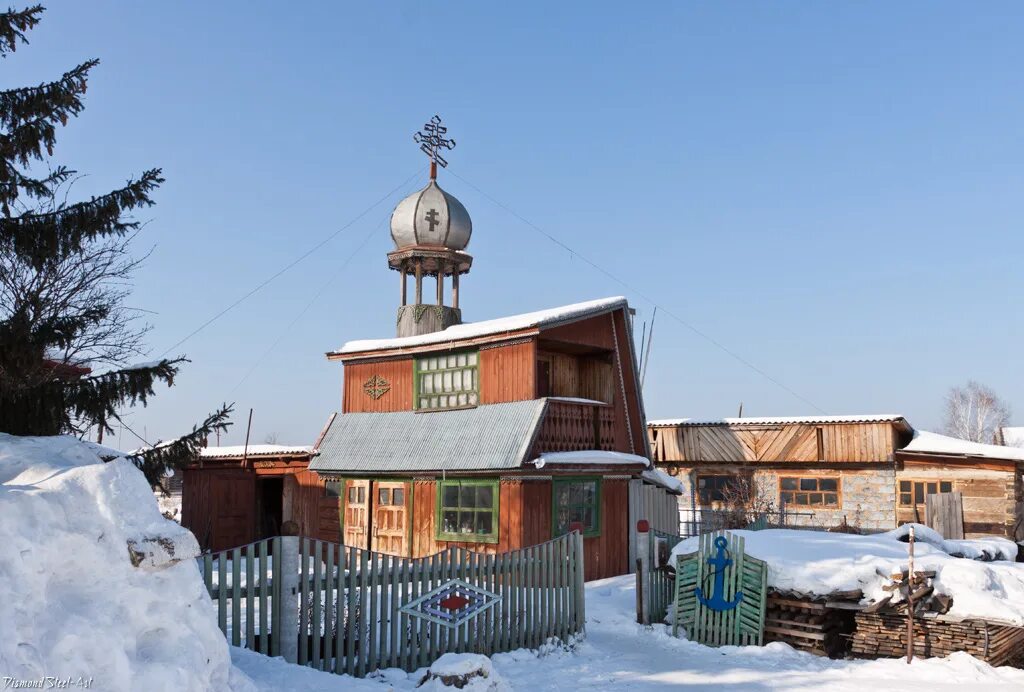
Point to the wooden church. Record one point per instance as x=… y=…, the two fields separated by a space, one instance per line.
x=492 y=435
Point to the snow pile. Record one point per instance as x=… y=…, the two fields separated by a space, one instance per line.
x=94 y=582
x=463 y=671
x=819 y=563
x=925 y=442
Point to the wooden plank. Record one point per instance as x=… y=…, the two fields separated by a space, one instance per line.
x=264 y=614
x=329 y=607
x=304 y=601
x=352 y=570
x=250 y=593
x=236 y=597
x=222 y=592
x=364 y=618
x=277 y=578
x=315 y=597
x=372 y=616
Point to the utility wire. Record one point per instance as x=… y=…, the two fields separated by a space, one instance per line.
x=309 y=252
x=653 y=302
x=327 y=284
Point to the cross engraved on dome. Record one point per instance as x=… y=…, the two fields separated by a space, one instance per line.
x=432 y=139
x=431 y=218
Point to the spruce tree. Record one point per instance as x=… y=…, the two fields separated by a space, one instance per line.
x=49 y=384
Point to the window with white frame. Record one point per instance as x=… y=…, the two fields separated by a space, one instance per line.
x=450 y=380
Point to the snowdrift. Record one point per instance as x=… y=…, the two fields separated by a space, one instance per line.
x=984 y=582
x=94 y=582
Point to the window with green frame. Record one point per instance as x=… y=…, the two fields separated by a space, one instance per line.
x=467 y=510
x=576 y=500
x=449 y=380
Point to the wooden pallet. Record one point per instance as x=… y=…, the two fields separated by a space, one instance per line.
x=808 y=625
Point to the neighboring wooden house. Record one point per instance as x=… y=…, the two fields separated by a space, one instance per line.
x=232 y=496
x=987 y=476
x=873 y=471
x=494 y=435
x=835 y=467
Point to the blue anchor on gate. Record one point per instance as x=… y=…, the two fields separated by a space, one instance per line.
x=720 y=561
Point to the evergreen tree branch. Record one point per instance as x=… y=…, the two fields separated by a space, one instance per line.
x=42 y=237
x=156 y=461
x=53 y=101
x=14 y=24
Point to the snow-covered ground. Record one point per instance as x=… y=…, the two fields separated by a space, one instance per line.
x=94 y=582
x=618 y=654
x=820 y=563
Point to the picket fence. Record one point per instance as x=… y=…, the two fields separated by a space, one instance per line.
x=338 y=608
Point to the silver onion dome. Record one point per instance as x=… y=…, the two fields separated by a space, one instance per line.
x=433 y=218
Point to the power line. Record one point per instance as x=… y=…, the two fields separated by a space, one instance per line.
x=650 y=300
x=287 y=331
x=309 y=252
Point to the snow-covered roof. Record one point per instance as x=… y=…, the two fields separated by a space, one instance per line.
x=925 y=442
x=470 y=330
x=596 y=457
x=659 y=477
x=1012 y=437
x=780 y=420
x=232 y=451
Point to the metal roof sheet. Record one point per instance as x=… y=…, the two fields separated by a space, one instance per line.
x=493 y=436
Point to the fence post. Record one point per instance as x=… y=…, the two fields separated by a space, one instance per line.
x=643 y=569
x=289 y=606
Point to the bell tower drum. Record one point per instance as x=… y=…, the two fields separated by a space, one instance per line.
x=431 y=230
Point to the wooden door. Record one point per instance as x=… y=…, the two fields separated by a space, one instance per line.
x=357 y=516
x=233 y=521
x=390 y=518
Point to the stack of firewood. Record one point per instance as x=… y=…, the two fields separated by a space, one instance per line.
x=918 y=587
x=884 y=635
x=808 y=624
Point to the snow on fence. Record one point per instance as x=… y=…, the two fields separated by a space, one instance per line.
x=349 y=610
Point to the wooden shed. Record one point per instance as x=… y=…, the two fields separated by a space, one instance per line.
x=494 y=435
x=823 y=469
x=988 y=478
x=235 y=495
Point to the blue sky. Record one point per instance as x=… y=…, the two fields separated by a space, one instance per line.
x=830 y=190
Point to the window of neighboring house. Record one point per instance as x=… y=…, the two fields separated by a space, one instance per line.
x=447 y=381
x=467 y=510
x=913 y=492
x=712 y=489
x=809 y=492
x=333 y=488
x=576 y=501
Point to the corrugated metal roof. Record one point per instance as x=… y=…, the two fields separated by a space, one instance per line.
x=493 y=436
x=779 y=420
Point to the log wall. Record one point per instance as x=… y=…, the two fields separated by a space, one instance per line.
x=991 y=496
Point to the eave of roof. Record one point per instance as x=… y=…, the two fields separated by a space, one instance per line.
x=488 y=331
x=778 y=420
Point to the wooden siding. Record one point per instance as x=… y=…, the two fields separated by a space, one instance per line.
x=398 y=373
x=508 y=373
x=839 y=443
x=593 y=332
x=990 y=496
x=219 y=507
x=219 y=504
x=524 y=511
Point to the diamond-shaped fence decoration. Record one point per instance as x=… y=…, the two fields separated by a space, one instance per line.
x=451 y=604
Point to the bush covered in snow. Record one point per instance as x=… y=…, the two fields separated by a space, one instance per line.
x=94 y=581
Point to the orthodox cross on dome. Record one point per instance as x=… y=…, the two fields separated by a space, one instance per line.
x=432 y=140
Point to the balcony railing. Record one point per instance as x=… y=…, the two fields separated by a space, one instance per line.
x=572 y=426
